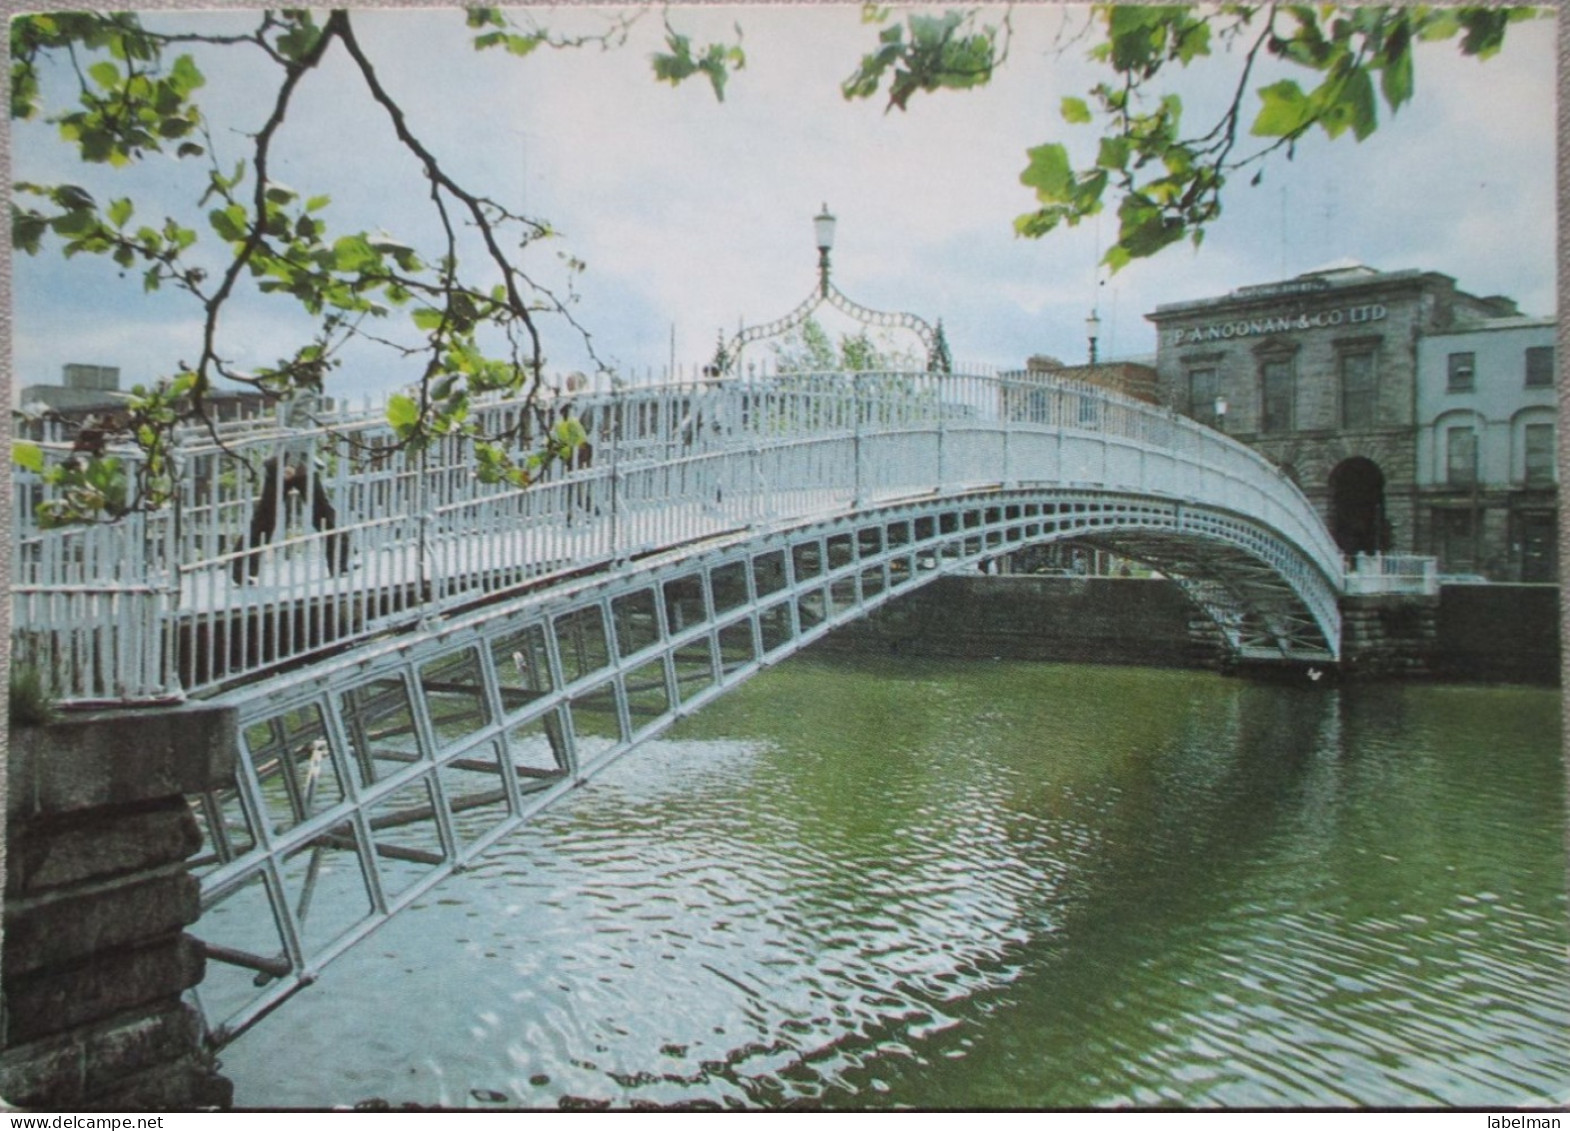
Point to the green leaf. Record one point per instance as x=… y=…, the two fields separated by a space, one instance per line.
x=1114 y=153
x=484 y=17
x=105 y=74
x=1049 y=173
x=27 y=455
x=1358 y=98
x=354 y=253
x=185 y=76
x=569 y=433
x=229 y=223
x=427 y=318
x=522 y=45
x=78 y=223
x=402 y=412
x=73 y=197
x=119 y=212
x=27 y=230
x=1285 y=110
x=1075 y=111
x=1395 y=71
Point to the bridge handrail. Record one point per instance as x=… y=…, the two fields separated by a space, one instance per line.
x=426 y=532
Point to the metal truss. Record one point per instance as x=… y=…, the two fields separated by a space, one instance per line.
x=367 y=779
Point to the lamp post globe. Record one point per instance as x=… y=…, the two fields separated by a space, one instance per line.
x=823 y=232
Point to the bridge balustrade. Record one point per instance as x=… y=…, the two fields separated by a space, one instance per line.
x=182 y=601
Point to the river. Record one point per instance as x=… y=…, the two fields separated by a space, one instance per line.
x=859 y=883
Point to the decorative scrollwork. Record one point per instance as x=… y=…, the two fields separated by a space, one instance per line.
x=727 y=358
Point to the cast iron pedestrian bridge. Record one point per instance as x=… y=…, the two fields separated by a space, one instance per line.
x=421 y=661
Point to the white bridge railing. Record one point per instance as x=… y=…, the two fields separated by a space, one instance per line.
x=372 y=538
x=1393 y=573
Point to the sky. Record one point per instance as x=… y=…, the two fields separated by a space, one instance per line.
x=694 y=217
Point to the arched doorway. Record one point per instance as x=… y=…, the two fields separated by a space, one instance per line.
x=1357 y=507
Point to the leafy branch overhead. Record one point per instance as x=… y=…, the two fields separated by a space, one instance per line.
x=1169 y=180
x=1166 y=177
x=462 y=313
x=926 y=54
x=682 y=61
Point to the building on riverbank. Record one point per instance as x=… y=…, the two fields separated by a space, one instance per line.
x=1487 y=476
x=1320 y=374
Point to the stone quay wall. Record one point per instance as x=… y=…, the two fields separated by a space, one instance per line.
x=98 y=892
x=1029 y=617
x=1470 y=633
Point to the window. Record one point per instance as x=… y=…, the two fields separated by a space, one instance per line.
x=1357 y=390
x=1540 y=367
x=1461 y=457
x=1203 y=389
x=1538 y=444
x=1278 y=388
x=1462 y=367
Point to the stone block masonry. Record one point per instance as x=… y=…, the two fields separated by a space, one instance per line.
x=1029 y=617
x=98 y=893
x=1468 y=633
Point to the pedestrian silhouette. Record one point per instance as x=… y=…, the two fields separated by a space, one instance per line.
x=264 y=518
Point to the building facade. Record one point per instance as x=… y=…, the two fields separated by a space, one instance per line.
x=1320 y=374
x=1487 y=476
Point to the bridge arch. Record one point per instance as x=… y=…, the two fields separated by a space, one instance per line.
x=367 y=778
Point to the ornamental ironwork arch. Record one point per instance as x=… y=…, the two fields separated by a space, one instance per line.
x=727 y=356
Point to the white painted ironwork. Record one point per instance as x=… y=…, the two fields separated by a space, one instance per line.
x=368 y=777
x=211 y=592
x=1393 y=573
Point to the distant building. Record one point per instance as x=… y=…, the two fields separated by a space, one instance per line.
x=1319 y=373
x=1487 y=476
x=94 y=391
x=86 y=388
x=1131 y=378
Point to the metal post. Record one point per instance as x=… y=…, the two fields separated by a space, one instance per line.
x=856 y=405
x=618 y=427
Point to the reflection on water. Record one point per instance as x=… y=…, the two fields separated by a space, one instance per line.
x=881 y=884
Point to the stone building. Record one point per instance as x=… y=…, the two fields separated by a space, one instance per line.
x=1319 y=373
x=1487 y=477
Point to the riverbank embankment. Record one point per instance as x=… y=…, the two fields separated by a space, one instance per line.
x=1470 y=633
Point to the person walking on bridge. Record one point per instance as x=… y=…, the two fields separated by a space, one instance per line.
x=296 y=479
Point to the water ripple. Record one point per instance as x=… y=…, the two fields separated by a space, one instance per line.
x=1026 y=886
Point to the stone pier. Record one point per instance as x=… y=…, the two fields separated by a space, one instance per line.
x=98 y=893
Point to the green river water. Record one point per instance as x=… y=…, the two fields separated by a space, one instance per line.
x=861 y=883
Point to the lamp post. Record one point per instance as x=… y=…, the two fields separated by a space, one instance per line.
x=823 y=229
x=1221 y=414
x=1092 y=330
